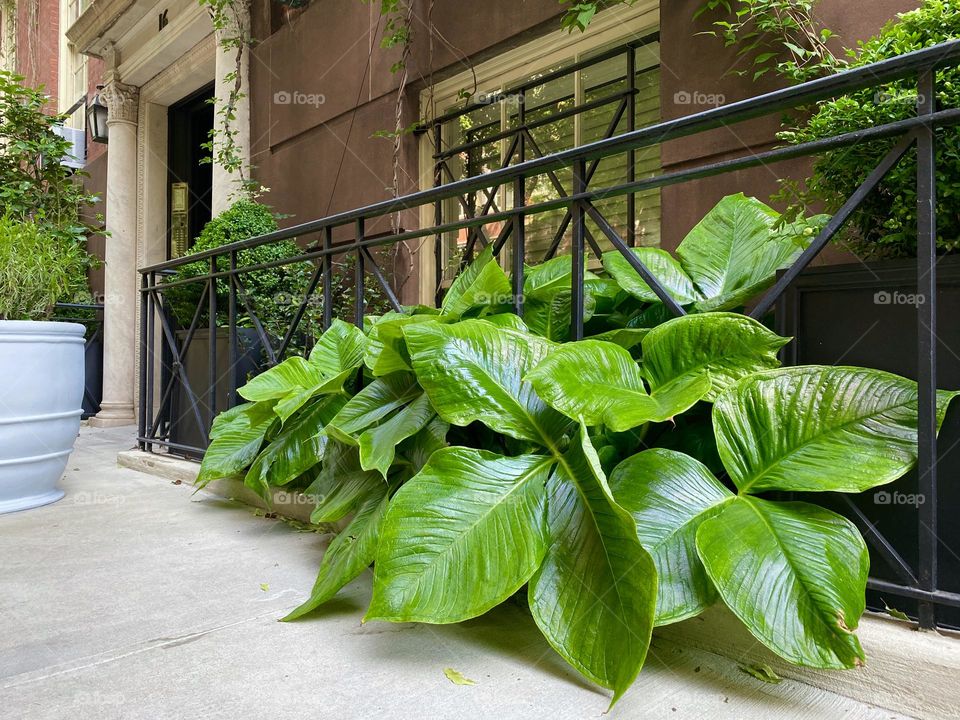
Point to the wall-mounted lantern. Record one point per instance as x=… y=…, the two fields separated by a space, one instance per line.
x=97 y=118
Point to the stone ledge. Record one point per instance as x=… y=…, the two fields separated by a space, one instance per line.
x=287 y=504
x=907 y=671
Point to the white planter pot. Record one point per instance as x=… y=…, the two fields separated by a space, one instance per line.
x=41 y=393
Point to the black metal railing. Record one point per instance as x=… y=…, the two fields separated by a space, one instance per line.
x=347 y=234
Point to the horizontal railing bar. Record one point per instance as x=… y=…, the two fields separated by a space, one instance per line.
x=821 y=88
x=938 y=596
x=169 y=444
x=790 y=152
x=556 y=74
x=79 y=306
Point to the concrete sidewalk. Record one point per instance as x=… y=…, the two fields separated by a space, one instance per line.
x=134 y=598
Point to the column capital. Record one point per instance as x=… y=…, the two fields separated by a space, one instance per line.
x=122 y=101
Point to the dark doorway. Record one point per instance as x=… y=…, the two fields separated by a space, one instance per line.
x=190 y=182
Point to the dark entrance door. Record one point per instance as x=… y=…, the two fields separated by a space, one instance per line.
x=190 y=185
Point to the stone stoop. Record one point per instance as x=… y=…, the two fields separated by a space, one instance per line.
x=907 y=671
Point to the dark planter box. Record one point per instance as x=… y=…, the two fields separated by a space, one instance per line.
x=184 y=429
x=865 y=314
x=93 y=376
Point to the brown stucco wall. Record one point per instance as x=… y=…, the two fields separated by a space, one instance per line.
x=697 y=63
x=320 y=158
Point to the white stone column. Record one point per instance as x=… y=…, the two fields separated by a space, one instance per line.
x=225 y=183
x=120 y=266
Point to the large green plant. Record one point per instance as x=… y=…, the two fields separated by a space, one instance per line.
x=885 y=225
x=37 y=268
x=33 y=183
x=482 y=456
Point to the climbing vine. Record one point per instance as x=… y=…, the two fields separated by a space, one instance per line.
x=783 y=36
x=230 y=23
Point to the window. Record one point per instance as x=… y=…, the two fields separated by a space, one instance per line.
x=73 y=66
x=584 y=88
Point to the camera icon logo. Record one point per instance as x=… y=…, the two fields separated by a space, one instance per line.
x=282 y=97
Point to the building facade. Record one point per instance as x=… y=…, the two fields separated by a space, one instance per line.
x=320 y=100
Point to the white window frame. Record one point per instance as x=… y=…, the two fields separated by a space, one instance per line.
x=70 y=64
x=617 y=25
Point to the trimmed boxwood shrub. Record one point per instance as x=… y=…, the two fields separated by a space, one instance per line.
x=885 y=225
x=267 y=291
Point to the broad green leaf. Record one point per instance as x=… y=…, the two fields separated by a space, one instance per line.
x=461 y=537
x=296 y=448
x=418 y=449
x=816 y=428
x=548 y=278
x=663 y=266
x=550 y=317
x=723 y=346
x=507 y=320
x=350 y=553
x=295 y=373
x=341 y=485
x=600 y=383
x=794 y=573
x=669 y=495
x=474 y=371
x=236 y=439
x=373 y=403
x=296 y=399
x=595 y=594
x=482 y=283
x=724 y=251
x=378 y=444
x=339 y=348
x=626 y=338
x=734 y=252
x=386 y=350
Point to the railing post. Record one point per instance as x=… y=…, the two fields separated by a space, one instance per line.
x=632 y=153
x=150 y=280
x=438 y=215
x=142 y=400
x=519 y=243
x=576 y=254
x=212 y=360
x=232 y=329
x=927 y=344
x=327 y=276
x=519 y=200
x=359 y=303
